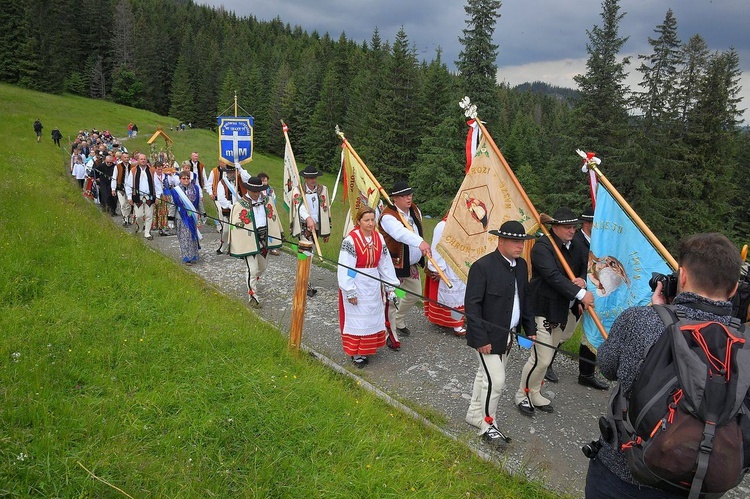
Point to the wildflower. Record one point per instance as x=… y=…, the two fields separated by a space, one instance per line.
x=22 y=457
x=16 y=356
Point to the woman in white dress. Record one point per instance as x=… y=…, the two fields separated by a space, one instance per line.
x=364 y=262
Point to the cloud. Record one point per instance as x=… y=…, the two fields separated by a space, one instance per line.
x=538 y=38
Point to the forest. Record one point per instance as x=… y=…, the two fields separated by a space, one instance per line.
x=674 y=147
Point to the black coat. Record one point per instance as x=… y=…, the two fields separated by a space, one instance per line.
x=488 y=302
x=550 y=287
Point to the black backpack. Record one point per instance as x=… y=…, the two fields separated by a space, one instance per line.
x=684 y=425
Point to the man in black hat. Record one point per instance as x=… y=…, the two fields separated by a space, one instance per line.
x=256 y=230
x=401 y=226
x=586 y=353
x=311 y=214
x=496 y=304
x=552 y=295
x=227 y=187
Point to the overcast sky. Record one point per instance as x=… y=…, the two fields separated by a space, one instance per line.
x=542 y=40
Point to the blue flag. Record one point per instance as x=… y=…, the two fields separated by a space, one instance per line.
x=621 y=261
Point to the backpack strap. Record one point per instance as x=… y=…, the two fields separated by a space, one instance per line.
x=669 y=314
x=704 y=453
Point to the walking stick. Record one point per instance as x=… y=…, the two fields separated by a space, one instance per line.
x=299 y=299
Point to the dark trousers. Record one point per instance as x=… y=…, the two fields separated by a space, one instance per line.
x=585 y=354
x=601 y=483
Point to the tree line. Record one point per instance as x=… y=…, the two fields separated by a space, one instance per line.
x=673 y=147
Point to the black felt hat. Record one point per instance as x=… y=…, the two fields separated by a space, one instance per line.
x=565 y=216
x=254 y=184
x=511 y=230
x=588 y=214
x=401 y=188
x=310 y=172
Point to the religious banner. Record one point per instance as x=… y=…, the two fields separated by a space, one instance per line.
x=621 y=261
x=291 y=181
x=359 y=187
x=235 y=139
x=487 y=197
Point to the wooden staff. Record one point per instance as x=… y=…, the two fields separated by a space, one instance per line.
x=299 y=299
x=542 y=226
x=301 y=191
x=634 y=217
x=387 y=199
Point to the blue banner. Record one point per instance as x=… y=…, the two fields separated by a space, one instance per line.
x=235 y=139
x=621 y=261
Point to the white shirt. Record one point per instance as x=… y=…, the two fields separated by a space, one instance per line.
x=397 y=231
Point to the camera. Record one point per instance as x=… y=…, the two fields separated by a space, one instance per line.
x=668 y=283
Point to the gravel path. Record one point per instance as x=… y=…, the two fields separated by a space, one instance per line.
x=434 y=370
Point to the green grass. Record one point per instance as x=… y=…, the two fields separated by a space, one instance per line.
x=114 y=358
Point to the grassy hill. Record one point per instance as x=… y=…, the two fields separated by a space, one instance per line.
x=120 y=369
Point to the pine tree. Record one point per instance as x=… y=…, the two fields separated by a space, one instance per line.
x=601 y=118
x=659 y=100
x=476 y=62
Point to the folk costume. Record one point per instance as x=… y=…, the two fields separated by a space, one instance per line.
x=435 y=290
x=497 y=302
x=403 y=245
x=319 y=210
x=163 y=204
x=199 y=169
x=185 y=209
x=143 y=191
x=103 y=173
x=363 y=325
x=255 y=229
x=552 y=296
x=117 y=184
x=229 y=190
x=318 y=201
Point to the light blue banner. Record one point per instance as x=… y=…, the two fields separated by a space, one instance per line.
x=621 y=261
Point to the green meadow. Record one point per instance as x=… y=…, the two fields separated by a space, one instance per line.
x=122 y=374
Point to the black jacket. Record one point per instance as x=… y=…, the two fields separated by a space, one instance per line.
x=550 y=288
x=488 y=301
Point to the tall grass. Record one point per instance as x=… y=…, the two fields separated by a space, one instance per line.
x=116 y=360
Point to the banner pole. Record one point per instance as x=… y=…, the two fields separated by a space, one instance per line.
x=302 y=194
x=384 y=195
x=635 y=218
x=543 y=227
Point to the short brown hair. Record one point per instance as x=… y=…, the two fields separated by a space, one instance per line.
x=712 y=260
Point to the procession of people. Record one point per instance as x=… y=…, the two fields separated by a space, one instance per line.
x=380 y=270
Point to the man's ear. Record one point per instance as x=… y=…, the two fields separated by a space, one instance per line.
x=682 y=276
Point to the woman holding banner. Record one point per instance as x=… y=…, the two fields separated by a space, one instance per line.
x=364 y=263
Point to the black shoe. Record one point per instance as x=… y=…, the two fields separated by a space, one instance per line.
x=545 y=408
x=403 y=331
x=551 y=376
x=494 y=437
x=360 y=362
x=592 y=381
x=311 y=292
x=218 y=252
x=526 y=408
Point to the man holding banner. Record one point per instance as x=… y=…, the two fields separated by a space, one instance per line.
x=407 y=248
x=552 y=294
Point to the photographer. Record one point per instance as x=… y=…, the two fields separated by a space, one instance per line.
x=709 y=268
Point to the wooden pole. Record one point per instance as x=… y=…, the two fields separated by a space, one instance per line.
x=635 y=218
x=301 y=190
x=387 y=199
x=299 y=299
x=542 y=226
